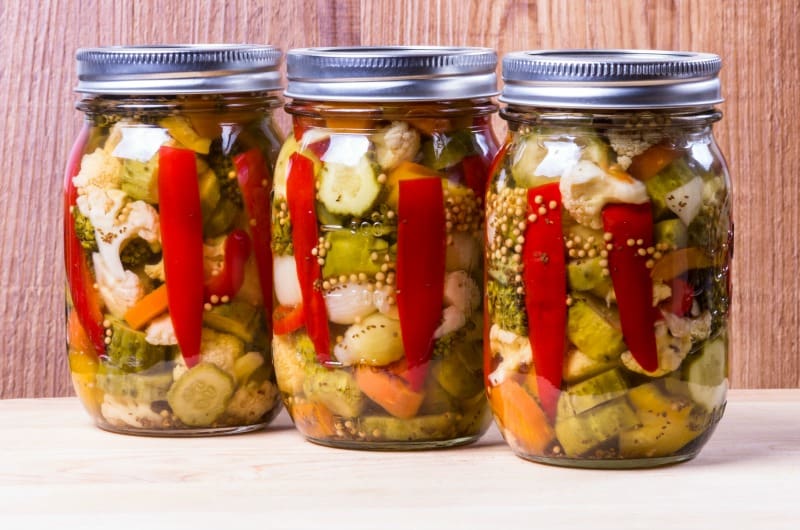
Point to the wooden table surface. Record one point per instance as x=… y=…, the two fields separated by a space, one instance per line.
x=57 y=469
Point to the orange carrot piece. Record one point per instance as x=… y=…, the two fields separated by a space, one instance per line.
x=386 y=387
x=148 y=308
x=313 y=419
x=647 y=165
x=519 y=414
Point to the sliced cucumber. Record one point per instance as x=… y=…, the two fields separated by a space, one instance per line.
x=388 y=428
x=129 y=350
x=201 y=395
x=589 y=328
x=590 y=393
x=337 y=390
x=246 y=365
x=578 y=434
x=140 y=179
x=349 y=190
x=236 y=318
x=143 y=387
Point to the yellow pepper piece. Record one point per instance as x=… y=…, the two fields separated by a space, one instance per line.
x=406 y=171
x=182 y=131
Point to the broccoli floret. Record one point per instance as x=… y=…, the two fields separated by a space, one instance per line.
x=223 y=167
x=281 y=229
x=85 y=231
x=506 y=307
x=138 y=252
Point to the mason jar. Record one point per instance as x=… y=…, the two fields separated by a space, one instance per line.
x=167 y=238
x=377 y=242
x=609 y=242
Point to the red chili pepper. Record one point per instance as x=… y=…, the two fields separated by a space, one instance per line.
x=475 y=175
x=631 y=228
x=545 y=277
x=287 y=319
x=182 y=244
x=85 y=299
x=300 y=192
x=254 y=181
x=421 y=240
x=231 y=276
x=680 y=303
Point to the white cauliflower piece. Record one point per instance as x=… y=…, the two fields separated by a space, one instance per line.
x=628 y=144
x=161 y=332
x=462 y=292
x=156 y=271
x=220 y=349
x=180 y=368
x=128 y=413
x=98 y=170
x=514 y=351
x=671 y=353
x=694 y=328
x=116 y=222
x=661 y=292
x=453 y=319
x=251 y=402
x=118 y=294
x=394 y=144
x=586 y=188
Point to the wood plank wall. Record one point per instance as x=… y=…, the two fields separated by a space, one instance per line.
x=758 y=41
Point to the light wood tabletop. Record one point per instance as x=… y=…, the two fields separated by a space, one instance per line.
x=56 y=468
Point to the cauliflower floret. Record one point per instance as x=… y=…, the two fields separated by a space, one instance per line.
x=161 y=332
x=98 y=170
x=661 y=292
x=156 y=271
x=293 y=359
x=116 y=222
x=462 y=292
x=180 y=368
x=586 y=188
x=251 y=401
x=128 y=413
x=453 y=319
x=514 y=351
x=220 y=349
x=396 y=143
x=694 y=328
x=671 y=353
x=628 y=144
x=118 y=294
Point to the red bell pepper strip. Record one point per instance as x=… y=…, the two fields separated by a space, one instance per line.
x=182 y=244
x=421 y=246
x=680 y=303
x=631 y=228
x=545 y=278
x=287 y=319
x=300 y=191
x=231 y=276
x=255 y=183
x=85 y=298
x=474 y=169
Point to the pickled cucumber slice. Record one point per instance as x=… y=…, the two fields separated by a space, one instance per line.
x=143 y=387
x=671 y=232
x=454 y=376
x=586 y=274
x=446 y=150
x=236 y=318
x=209 y=192
x=246 y=365
x=351 y=253
x=579 y=366
x=129 y=350
x=140 y=179
x=221 y=219
x=667 y=424
x=337 y=390
x=591 y=393
x=668 y=179
x=591 y=330
x=706 y=374
x=349 y=190
x=579 y=434
x=200 y=396
x=420 y=428
x=437 y=400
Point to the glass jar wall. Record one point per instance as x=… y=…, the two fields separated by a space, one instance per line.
x=166 y=230
x=609 y=240
x=377 y=241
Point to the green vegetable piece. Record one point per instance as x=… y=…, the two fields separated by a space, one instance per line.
x=417 y=429
x=671 y=232
x=591 y=393
x=595 y=149
x=136 y=253
x=437 y=399
x=84 y=229
x=142 y=387
x=351 y=253
x=294 y=360
x=590 y=329
x=579 y=366
x=507 y=307
x=476 y=416
x=453 y=375
x=706 y=374
x=129 y=351
x=444 y=150
x=236 y=318
x=337 y=390
x=349 y=190
x=201 y=395
x=586 y=274
x=140 y=179
x=209 y=192
x=581 y=433
x=221 y=219
x=281 y=226
x=676 y=174
x=246 y=365
x=527 y=157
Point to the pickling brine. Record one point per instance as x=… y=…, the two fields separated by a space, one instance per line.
x=609 y=240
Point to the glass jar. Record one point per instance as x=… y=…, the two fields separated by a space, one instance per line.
x=166 y=238
x=609 y=241
x=377 y=239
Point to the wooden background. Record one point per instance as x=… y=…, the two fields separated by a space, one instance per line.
x=758 y=42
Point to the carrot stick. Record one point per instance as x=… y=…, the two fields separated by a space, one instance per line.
x=148 y=308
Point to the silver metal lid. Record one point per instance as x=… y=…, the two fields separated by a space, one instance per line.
x=178 y=69
x=402 y=73
x=611 y=79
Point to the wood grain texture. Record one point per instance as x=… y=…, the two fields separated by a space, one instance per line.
x=744 y=478
x=758 y=42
